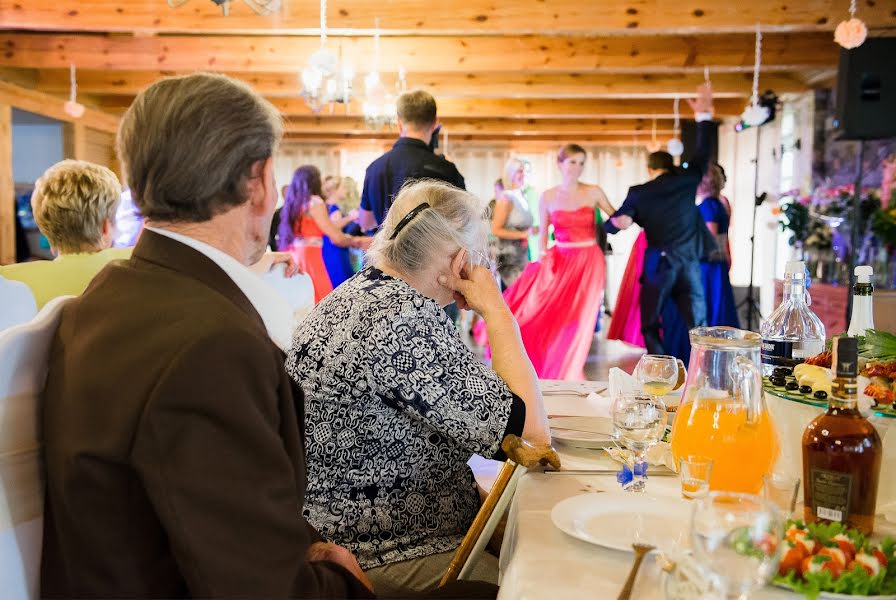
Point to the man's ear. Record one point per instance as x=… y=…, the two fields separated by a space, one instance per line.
x=262 y=184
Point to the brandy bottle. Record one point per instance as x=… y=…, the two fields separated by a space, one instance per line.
x=842 y=452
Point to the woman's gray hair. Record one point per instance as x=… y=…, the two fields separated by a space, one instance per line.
x=455 y=219
x=187 y=145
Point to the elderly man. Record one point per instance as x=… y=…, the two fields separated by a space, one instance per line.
x=174 y=445
x=74 y=204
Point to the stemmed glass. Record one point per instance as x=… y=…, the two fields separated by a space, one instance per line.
x=737 y=540
x=657 y=374
x=640 y=422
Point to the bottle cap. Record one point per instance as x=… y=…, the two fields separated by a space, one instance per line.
x=795 y=267
x=863 y=274
x=845 y=360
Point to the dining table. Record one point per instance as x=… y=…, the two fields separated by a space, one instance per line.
x=539 y=561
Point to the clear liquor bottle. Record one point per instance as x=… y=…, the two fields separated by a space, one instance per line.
x=842 y=452
x=793 y=332
x=862 y=306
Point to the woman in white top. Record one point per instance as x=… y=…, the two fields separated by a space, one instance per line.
x=511 y=224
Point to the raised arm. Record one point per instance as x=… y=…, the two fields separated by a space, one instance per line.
x=318 y=211
x=503 y=207
x=707 y=132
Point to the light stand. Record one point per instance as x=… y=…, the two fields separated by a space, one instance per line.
x=749 y=304
x=854 y=234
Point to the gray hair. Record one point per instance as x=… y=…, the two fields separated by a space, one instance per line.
x=188 y=144
x=71 y=202
x=455 y=219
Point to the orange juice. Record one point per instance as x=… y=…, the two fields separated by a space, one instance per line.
x=742 y=452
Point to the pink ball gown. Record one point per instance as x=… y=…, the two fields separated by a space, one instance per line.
x=557 y=300
x=626 y=322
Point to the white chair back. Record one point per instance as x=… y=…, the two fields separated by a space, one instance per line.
x=23 y=372
x=17 y=302
x=298 y=290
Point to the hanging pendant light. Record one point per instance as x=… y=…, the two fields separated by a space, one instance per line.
x=323 y=80
x=73 y=108
x=852 y=33
x=755 y=114
x=675 y=147
x=379 y=104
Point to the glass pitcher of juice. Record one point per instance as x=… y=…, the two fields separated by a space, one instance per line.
x=722 y=414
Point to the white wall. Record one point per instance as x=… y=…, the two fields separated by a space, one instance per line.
x=36 y=145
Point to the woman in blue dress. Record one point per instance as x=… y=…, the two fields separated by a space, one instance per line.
x=338 y=259
x=720 y=307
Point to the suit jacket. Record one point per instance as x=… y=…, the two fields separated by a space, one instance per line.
x=666 y=209
x=174 y=444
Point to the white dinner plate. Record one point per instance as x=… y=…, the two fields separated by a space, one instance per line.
x=592 y=433
x=617 y=519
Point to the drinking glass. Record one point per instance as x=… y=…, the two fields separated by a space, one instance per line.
x=657 y=374
x=781 y=490
x=694 y=471
x=737 y=540
x=640 y=422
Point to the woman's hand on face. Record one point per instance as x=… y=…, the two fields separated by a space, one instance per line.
x=475 y=289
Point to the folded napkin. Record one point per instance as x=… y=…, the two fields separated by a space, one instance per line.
x=622 y=383
x=658 y=456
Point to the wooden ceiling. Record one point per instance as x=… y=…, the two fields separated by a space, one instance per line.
x=591 y=70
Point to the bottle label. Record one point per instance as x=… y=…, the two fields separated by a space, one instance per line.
x=780 y=353
x=830 y=494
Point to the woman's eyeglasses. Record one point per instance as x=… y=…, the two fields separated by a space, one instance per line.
x=479 y=259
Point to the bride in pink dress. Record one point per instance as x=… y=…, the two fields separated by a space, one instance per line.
x=557 y=300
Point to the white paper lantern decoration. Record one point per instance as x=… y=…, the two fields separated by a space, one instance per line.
x=675 y=147
x=755 y=115
x=851 y=34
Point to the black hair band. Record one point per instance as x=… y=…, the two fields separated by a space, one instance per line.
x=408 y=218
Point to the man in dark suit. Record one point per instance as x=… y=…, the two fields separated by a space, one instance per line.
x=676 y=233
x=411 y=157
x=174 y=437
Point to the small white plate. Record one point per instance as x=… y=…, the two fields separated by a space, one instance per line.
x=592 y=433
x=618 y=519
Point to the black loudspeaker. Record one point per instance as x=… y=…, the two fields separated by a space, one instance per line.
x=689 y=140
x=866 y=91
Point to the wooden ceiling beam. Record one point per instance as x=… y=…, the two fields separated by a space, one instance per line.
x=630 y=17
x=508 y=108
x=473 y=126
x=545 y=54
x=52 y=107
x=491 y=137
x=456 y=85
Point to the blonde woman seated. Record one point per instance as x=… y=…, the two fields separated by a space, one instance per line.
x=74 y=204
x=396 y=403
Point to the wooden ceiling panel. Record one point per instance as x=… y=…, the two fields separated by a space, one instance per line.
x=459 y=17
x=460 y=55
x=456 y=85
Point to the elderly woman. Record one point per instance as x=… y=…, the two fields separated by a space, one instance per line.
x=74 y=204
x=396 y=403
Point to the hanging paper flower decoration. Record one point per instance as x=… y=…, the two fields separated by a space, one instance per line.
x=653 y=145
x=675 y=147
x=755 y=114
x=72 y=107
x=851 y=34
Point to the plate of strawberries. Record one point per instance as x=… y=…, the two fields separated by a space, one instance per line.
x=829 y=560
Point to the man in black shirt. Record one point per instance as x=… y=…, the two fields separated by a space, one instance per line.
x=676 y=234
x=410 y=158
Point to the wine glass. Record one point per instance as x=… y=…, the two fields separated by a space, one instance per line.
x=737 y=540
x=640 y=422
x=657 y=374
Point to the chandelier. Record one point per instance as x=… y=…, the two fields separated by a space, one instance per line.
x=379 y=105
x=324 y=81
x=261 y=7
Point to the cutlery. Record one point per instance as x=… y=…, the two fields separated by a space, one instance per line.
x=640 y=551
x=665 y=473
